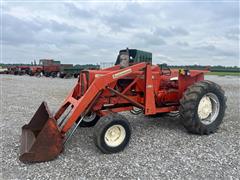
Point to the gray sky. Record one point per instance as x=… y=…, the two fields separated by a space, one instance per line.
x=205 y=33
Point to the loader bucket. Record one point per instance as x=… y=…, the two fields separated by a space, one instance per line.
x=41 y=139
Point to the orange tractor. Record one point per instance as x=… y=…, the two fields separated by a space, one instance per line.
x=134 y=85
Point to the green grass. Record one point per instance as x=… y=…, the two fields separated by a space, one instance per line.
x=224 y=73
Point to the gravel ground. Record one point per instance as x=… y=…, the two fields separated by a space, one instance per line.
x=160 y=148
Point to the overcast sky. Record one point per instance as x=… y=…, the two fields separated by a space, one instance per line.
x=176 y=33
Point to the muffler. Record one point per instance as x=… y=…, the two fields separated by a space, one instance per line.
x=41 y=138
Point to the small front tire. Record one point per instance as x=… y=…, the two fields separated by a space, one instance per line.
x=112 y=133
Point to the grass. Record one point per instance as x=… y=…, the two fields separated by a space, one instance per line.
x=224 y=73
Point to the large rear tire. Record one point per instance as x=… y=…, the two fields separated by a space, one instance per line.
x=112 y=133
x=202 y=107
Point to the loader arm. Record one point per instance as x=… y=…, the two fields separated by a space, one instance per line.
x=100 y=83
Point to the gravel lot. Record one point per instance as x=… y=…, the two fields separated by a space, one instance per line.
x=160 y=148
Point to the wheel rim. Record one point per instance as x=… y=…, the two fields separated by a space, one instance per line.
x=208 y=108
x=90 y=117
x=115 y=135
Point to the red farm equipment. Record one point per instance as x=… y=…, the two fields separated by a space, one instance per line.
x=18 y=69
x=35 y=70
x=50 y=67
x=99 y=95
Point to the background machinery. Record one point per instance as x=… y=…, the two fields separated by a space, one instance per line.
x=73 y=71
x=132 y=83
x=48 y=68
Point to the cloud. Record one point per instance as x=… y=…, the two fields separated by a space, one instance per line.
x=170 y=31
x=118 y=22
x=233 y=33
x=16 y=31
x=77 y=12
x=58 y=27
x=206 y=48
x=182 y=43
x=19 y=31
x=91 y=32
x=149 y=38
x=126 y=17
x=211 y=49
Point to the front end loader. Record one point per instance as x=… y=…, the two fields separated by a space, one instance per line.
x=99 y=95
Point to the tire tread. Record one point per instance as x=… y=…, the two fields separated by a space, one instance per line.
x=188 y=106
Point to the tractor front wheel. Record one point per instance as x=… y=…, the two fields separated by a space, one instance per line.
x=112 y=133
x=202 y=107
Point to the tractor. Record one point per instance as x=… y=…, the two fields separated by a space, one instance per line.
x=133 y=84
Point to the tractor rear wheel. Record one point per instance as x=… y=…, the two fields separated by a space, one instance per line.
x=202 y=107
x=112 y=133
